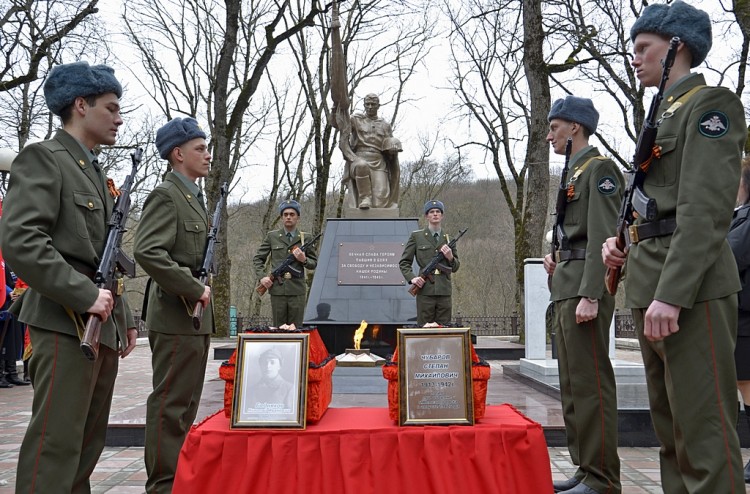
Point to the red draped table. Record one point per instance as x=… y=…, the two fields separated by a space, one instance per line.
x=359 y=450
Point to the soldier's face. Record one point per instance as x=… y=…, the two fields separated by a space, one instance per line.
x=434 y=217
x=193 y=158
x=648 y=52
x=101 y=121
x=290 y=218
x=559 y=131
x=270 y=368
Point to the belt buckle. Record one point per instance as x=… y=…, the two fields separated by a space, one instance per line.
x=633 y=234
x=557 y=257
x=437 y=271
x=287 y=275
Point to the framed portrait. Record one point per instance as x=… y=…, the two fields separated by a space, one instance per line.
x=270 y=383
x=434 y=376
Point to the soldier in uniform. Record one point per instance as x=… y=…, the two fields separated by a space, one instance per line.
x=682 y=279
x=434 y=299
x=272 y=388
x=54 y=227
x=582 y=307
x=287 y=294
x=169 y=246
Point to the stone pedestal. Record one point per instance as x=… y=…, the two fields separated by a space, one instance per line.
x=630 y=377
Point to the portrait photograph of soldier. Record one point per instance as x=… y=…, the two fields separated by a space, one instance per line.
x=272 y=383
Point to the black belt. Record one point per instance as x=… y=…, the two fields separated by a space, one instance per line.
x=570 y=255
x=638 y=233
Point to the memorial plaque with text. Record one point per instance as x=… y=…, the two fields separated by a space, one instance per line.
x=435 y=376
x=370 y=264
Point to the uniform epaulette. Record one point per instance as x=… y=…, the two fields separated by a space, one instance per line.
x=53 y=145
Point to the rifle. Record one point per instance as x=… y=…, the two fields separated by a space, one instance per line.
x=436 y=263
x=113 y=260
x=559 y=238
x=635 y=203
x=206 y=272
x=286 y=265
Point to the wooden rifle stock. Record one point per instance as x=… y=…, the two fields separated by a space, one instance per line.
x=198 y=310
x=92 y=337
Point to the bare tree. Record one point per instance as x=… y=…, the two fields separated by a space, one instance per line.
x=501 y=77
x=208 y=59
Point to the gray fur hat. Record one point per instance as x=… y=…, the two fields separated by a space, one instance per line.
x=175 y=133
x=433 y=204
x=575 y=109
x=290 y=204
x=66 y=82
x=691 y=25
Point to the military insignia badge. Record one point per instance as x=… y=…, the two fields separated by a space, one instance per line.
x=606 y=186
x=713 y=124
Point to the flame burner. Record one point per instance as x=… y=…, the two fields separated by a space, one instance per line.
x=379 y=339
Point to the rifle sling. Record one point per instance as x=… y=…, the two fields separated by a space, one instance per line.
x=661 y=228
x=570 y=255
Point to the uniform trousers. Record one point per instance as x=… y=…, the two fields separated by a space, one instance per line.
x=432 y=308
x=288 y=309
x=179 y=366
x=69 y=414
x=692 y=392
x=588 y=394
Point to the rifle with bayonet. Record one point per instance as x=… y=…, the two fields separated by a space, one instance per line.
x=286 y=266
x=436 y=263
x=208 y=269
x=635 y=203
x=113 y=260
x=559 y=238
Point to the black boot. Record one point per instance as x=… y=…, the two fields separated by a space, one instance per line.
x=3 y=382
x=747 y=466
x=11 y=374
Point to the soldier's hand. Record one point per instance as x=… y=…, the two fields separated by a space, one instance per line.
x=299 y=254
x=611 y=255
x=661 y=320
x=266 y=282
x=132 y=338
x=549 y=264
x=206 y=297
x=447 y=252
x=103 y=305
x=418 y=280
x=586 y=310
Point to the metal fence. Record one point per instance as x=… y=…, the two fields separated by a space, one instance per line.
x=480 y=325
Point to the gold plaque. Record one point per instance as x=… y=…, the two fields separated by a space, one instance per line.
x=434 y=376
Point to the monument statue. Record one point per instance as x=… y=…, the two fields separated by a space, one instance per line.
x=372 y=172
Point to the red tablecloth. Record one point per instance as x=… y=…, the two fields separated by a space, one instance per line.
x=359 y=450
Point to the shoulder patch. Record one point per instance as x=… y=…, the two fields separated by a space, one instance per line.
x=713 y=124
x=606 y=186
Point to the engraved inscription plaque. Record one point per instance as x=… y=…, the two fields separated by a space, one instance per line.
x=435 y=377
x=370 y=264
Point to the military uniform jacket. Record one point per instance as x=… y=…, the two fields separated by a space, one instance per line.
x=590 y=218
x=272 y=252
x=169 y=246
x=53 y=231
x=422 y=245
x=694 y=181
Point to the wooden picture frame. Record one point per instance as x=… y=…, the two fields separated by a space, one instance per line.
x=270 y=383
x=434 y=376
